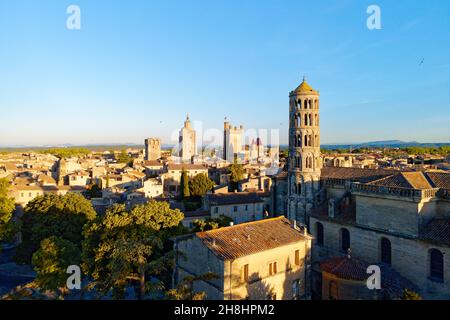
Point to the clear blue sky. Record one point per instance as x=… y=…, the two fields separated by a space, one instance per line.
x=136 y=63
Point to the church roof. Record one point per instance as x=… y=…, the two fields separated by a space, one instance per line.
x=305 y=88
x=411 y=180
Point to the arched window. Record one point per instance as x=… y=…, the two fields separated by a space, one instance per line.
x=385 y=250
x=306 y=120
x=436 y=265
x=310 y=119
x=299 y=103
x=345 y=240
x=319 y=233
x=299 y=120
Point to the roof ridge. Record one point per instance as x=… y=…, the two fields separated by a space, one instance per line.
x=383 y=178
x=243 y=224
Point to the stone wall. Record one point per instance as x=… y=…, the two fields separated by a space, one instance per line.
x=410 y=256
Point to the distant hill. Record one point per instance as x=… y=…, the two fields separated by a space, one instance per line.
x=385 y=144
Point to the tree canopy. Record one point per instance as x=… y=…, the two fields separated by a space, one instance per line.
x=7 y=226
x=127 y=247
x=53 y=215
x=211 y=223
x=185 y=192
x=200 y=184
x=236 y=174
x=51 y=260
x=124 y=158
x=67 y=152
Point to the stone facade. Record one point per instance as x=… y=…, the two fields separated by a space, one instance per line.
x=152 y=149
x=305 y=161
x=232 y=142
x=188 y=142
x=276 y=273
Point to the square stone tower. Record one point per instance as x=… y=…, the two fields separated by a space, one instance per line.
x=152 y=149
x=232 y=141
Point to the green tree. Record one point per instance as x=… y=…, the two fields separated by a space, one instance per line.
x=199 y=185
x=7 y=227
x=67 y=152
x=211 y=223
x=125 y=158
x=51 y=260
x=184 y=185
x=126 y=248
x=53 y=215
x=93 y=191
x=236 y=174
x=184 y=289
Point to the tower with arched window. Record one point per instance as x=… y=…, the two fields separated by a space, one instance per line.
x=305 y=162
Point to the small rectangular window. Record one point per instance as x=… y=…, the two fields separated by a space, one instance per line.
x=272 y=268
x=235 y=209
x=245 y=273
x=216 y=210
x=297 y=257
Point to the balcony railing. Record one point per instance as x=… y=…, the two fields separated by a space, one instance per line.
x=395 y=191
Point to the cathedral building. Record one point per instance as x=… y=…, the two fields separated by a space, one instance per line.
x=359 y=218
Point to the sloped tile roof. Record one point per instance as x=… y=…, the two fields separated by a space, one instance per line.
x=219 y=199
x=248 y=238
x=392 y=282
x=439 y=179
x=346 y=268
x=437 y=231
x=355 y=174
x=411 y=180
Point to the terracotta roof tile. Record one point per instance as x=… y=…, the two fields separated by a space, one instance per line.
x=355 y=174
x=439 y=179
x=248 y=238
x=346 y=268
x=233 y=198
x=411 y=180
x=437 y=231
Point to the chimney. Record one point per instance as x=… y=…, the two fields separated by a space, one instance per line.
x=214 y=242
x=248 y=237
x=231 y=223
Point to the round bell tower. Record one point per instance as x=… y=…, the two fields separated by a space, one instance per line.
x=305 y=162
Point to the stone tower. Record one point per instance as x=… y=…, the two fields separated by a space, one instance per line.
x=152 y=149
x=188 y=142
x=305 y=162
x=232 y=141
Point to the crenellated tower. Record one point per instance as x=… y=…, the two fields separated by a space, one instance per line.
x=305 y=161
